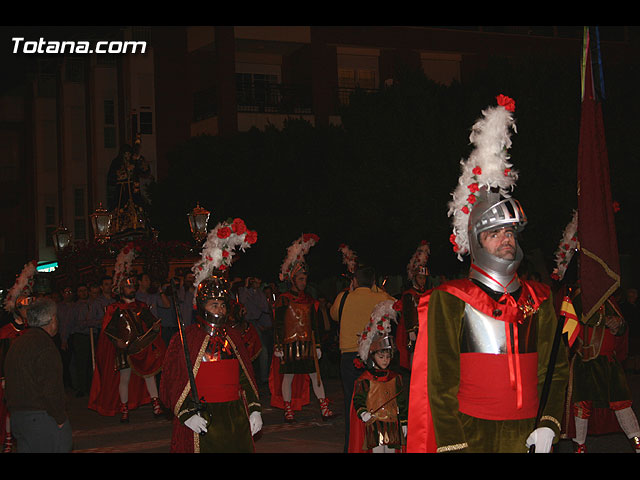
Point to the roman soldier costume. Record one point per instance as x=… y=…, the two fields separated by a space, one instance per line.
x=407 y=329
x=130 y=338
x=599 y=400
x=485 y=341
x=379 y=404
x=248 y=332
x=220 y=411
x=19 y=297
x=297 y=340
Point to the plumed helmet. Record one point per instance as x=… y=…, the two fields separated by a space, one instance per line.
x=377 y=335
x=214 y=287
x=492 y=212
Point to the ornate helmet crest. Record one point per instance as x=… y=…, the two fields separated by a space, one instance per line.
x=294 y=261
x=220 y=247
x=486 y=169
x=566 y=248
x=418 y=263
x=122 y=271
x=22 y=289
x=377 y=335
x=349 y=258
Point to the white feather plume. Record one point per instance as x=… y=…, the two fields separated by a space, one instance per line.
x=379 y=324
x=566 y=248
x=419 y=259
x=220 y=247
x=487 y=167
x=349 y=258
x=296 y=253
x=123 y=264
x=24 y=282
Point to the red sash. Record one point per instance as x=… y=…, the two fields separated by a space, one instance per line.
x=219 y=381
x=492 y=397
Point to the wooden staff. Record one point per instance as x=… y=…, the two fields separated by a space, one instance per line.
x=315 y=358
x=93 y=349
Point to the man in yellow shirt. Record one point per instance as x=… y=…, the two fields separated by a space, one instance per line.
x=352 y=310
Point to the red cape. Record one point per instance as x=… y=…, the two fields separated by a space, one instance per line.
x=175 y=381
x=421 y=435
x=404 y=356
x=8 y=332
x=299 y=387
x=104 y=396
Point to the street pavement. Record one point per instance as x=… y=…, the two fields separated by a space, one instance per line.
x=93 y=433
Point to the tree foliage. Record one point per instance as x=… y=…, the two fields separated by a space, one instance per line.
x=381 y=181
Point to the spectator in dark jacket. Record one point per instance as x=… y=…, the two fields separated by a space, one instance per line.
x=35 y=393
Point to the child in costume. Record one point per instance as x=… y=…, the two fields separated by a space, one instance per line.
x=379 y=405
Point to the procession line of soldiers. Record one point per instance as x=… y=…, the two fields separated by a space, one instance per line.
x=488 y=373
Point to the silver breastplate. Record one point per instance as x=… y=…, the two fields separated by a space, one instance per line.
x=484 y=334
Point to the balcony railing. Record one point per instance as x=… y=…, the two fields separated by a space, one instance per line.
x=273 y=98
x=270 y=98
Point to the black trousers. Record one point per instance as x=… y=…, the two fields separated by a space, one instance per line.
x=36 y=431
x=349 y=374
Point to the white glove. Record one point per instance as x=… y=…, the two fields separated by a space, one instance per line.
x=318 y=353
x=365 y=416
x=196 y=423
x=542 y=438
x=278 y=353
x=255 y=422
x=404 y=430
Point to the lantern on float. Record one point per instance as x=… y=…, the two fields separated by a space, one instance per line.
x=198 y=219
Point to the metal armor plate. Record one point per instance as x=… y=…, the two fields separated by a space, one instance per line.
x=133 y=328
x=484 y=334
x=297 y=323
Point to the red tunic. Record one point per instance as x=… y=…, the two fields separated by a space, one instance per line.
x=174 y=385
x=104 y=396
x=300 y=386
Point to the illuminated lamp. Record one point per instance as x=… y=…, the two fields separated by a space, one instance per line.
x=61 y=238
x=101 y=223
x=198 y=218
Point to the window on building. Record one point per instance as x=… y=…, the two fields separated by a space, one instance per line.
x=109 y=124
x=49 y=224
x=257 y=92
x=443 y=68
x=79 y=215
x=146 y=123
x=350 y=79
x=74 y=70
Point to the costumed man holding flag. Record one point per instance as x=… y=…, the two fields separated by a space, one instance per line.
x=407 y=330
x=598 y=398
x=130 y=349
x=485 y=342
x=208 y=381
x=599 y=384
x=19 y=297
x=297 y=342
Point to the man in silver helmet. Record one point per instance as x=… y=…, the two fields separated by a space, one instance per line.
x=488 y=348
x=227 y=412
